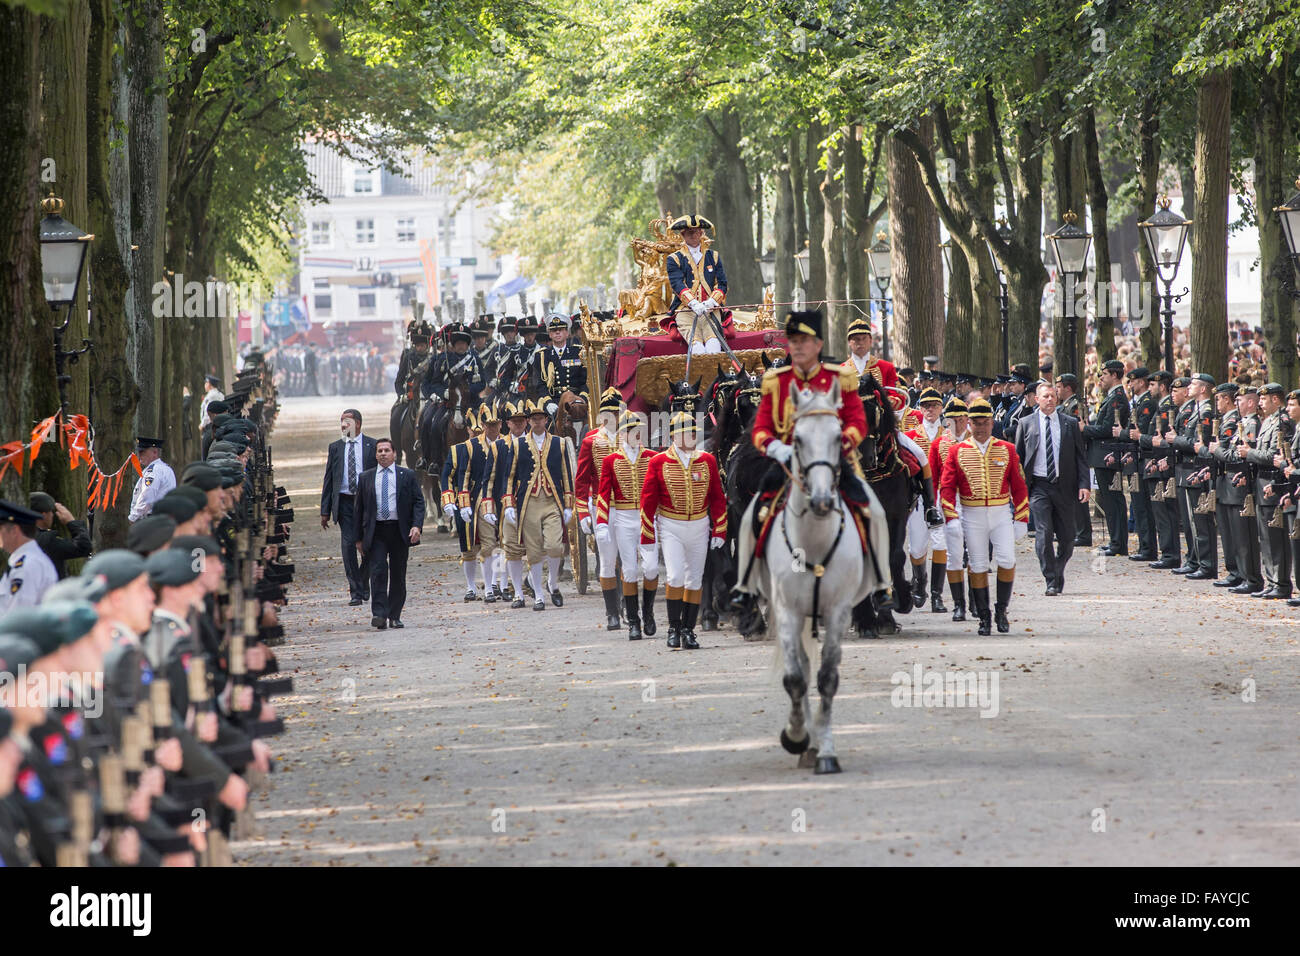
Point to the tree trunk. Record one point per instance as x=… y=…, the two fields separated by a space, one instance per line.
x=1210 y=236
x=1277 y=309
x=857 y=207
x=815 y=289
x=796 y=154
x=759 y=204
x=115 y=388
x=959 y=320
x=916 y=262
x=1104 y=307
x=784 y=224
x=833 y=250
x=735 y=213
x=147 y=145
x=1151 y=334
x=24 y=316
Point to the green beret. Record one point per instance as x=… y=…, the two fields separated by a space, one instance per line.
x=193 y=494
x=152 y=531
x=219 y=419
x=91 y=590
x=197 y=542
x=52 y=624
x=176 y=506
x=40 y=501
x=225 y=446
x=171 y=568
x=16 y=652
x=201 y=475
x=118 y=566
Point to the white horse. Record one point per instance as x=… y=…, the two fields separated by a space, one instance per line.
x=814 y=568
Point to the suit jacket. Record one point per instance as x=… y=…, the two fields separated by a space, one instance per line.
x=410 y=505
x=335 y=477
x=1072 y=470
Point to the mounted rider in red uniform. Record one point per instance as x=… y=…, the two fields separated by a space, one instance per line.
x=773 y=426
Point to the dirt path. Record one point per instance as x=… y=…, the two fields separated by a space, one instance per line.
x=480 y=734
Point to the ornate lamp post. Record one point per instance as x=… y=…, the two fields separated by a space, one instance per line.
x=879 y=256
x=1289 y=213
x=801 y=263
x=1004 y=233
x=1070 y=247
x=1166 y=237
x=63 y=253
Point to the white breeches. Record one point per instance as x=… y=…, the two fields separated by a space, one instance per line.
x=685 y=545
x=920 y=537
x=955 y=540
x=989 y=526
x=913 y=447
x=625 y=528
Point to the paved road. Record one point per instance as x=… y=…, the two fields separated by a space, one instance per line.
x=484 y=735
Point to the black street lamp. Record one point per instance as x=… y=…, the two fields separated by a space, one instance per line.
x=1166 y=237
x=879 y=256
x=1289 y=213
x=63 y=253
x=1070 y=247
x=767 y=267
x=1004 y=233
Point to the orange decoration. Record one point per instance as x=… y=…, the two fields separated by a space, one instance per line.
x=102 y=488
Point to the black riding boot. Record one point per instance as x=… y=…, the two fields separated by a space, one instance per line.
x=674 y=622
x=937 y=572
x=690 y=613
x=918 y=585
x=980 y=600
x=612 y=622
x=633 y=622
x=958 y=591
x=1000 y=609
x=648 y=611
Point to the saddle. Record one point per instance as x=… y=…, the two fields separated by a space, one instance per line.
x=772 y=502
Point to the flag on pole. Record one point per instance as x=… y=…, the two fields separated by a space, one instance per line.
x=429 y=259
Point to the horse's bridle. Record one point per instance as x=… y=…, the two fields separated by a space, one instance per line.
x=802 y=470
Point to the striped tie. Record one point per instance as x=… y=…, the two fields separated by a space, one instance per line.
x=1051 y=451
x=383 y=496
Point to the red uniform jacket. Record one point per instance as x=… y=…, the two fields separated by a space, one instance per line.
x=586 y=480
x=772 y=420
x=675 y=492
x=621 y=483
x=987 y=480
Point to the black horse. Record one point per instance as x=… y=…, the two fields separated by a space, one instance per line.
x=891 y=481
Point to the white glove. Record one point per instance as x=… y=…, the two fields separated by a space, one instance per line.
x=710 y=304
x=490 y=518
x=779 y=450
x=511 y=516
x=698 y=307
x=715 y=543
x=1021 y=529
x=954 y=525
x=466 y=514
x=585 y=525
x=602 y=533
x=550 y=408
x=568 y=513
x=449 y=510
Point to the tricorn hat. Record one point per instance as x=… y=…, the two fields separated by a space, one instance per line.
x=690 y=222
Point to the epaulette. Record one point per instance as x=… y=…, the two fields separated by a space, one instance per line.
x=774 y=373
x=848 y=376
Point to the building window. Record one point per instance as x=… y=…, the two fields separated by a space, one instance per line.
x=366 y=303
x=320 y=283
x=365 y=232
x=323 y=303
x=406 y=229
x=322 y=234
x=363 y=182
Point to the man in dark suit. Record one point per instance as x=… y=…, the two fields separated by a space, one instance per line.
x=348 y=458
x=1050 y=447
x=389 y=519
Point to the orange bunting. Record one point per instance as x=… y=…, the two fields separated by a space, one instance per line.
x=102 y=489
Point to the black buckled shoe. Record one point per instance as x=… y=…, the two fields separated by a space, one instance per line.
x=539 y=605
x=470 y=596
x=674 y=639
x=517 y=603
x=557 y=598
x=689 y=642
x=489 y=596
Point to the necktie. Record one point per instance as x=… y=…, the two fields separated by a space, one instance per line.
x=1051 y=451
x=352 y=468
x=383 y=496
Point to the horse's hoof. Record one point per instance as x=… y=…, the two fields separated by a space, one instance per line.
x=827 y=765
x=793 y=746
x=808 y=759
x=710 y=623
x=868 y=634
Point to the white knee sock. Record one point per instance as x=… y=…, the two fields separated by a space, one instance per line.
x=553 y=567
x=489 y=571
x=535 y=572
x=516 y=569
x=468 y=568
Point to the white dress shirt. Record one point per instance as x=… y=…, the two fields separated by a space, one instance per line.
x=932 y=429
x=1040 y=462
x=860 y=363
x=696 y=253
x=391 y=471
x=352 y=446
x=156 y=479
x=29 y=576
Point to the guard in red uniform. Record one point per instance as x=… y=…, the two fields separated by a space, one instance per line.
x=984 y=475
x=596 y=445
x=684 y=510
x=618 y=522
x=773 y=426
x=861 y=341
